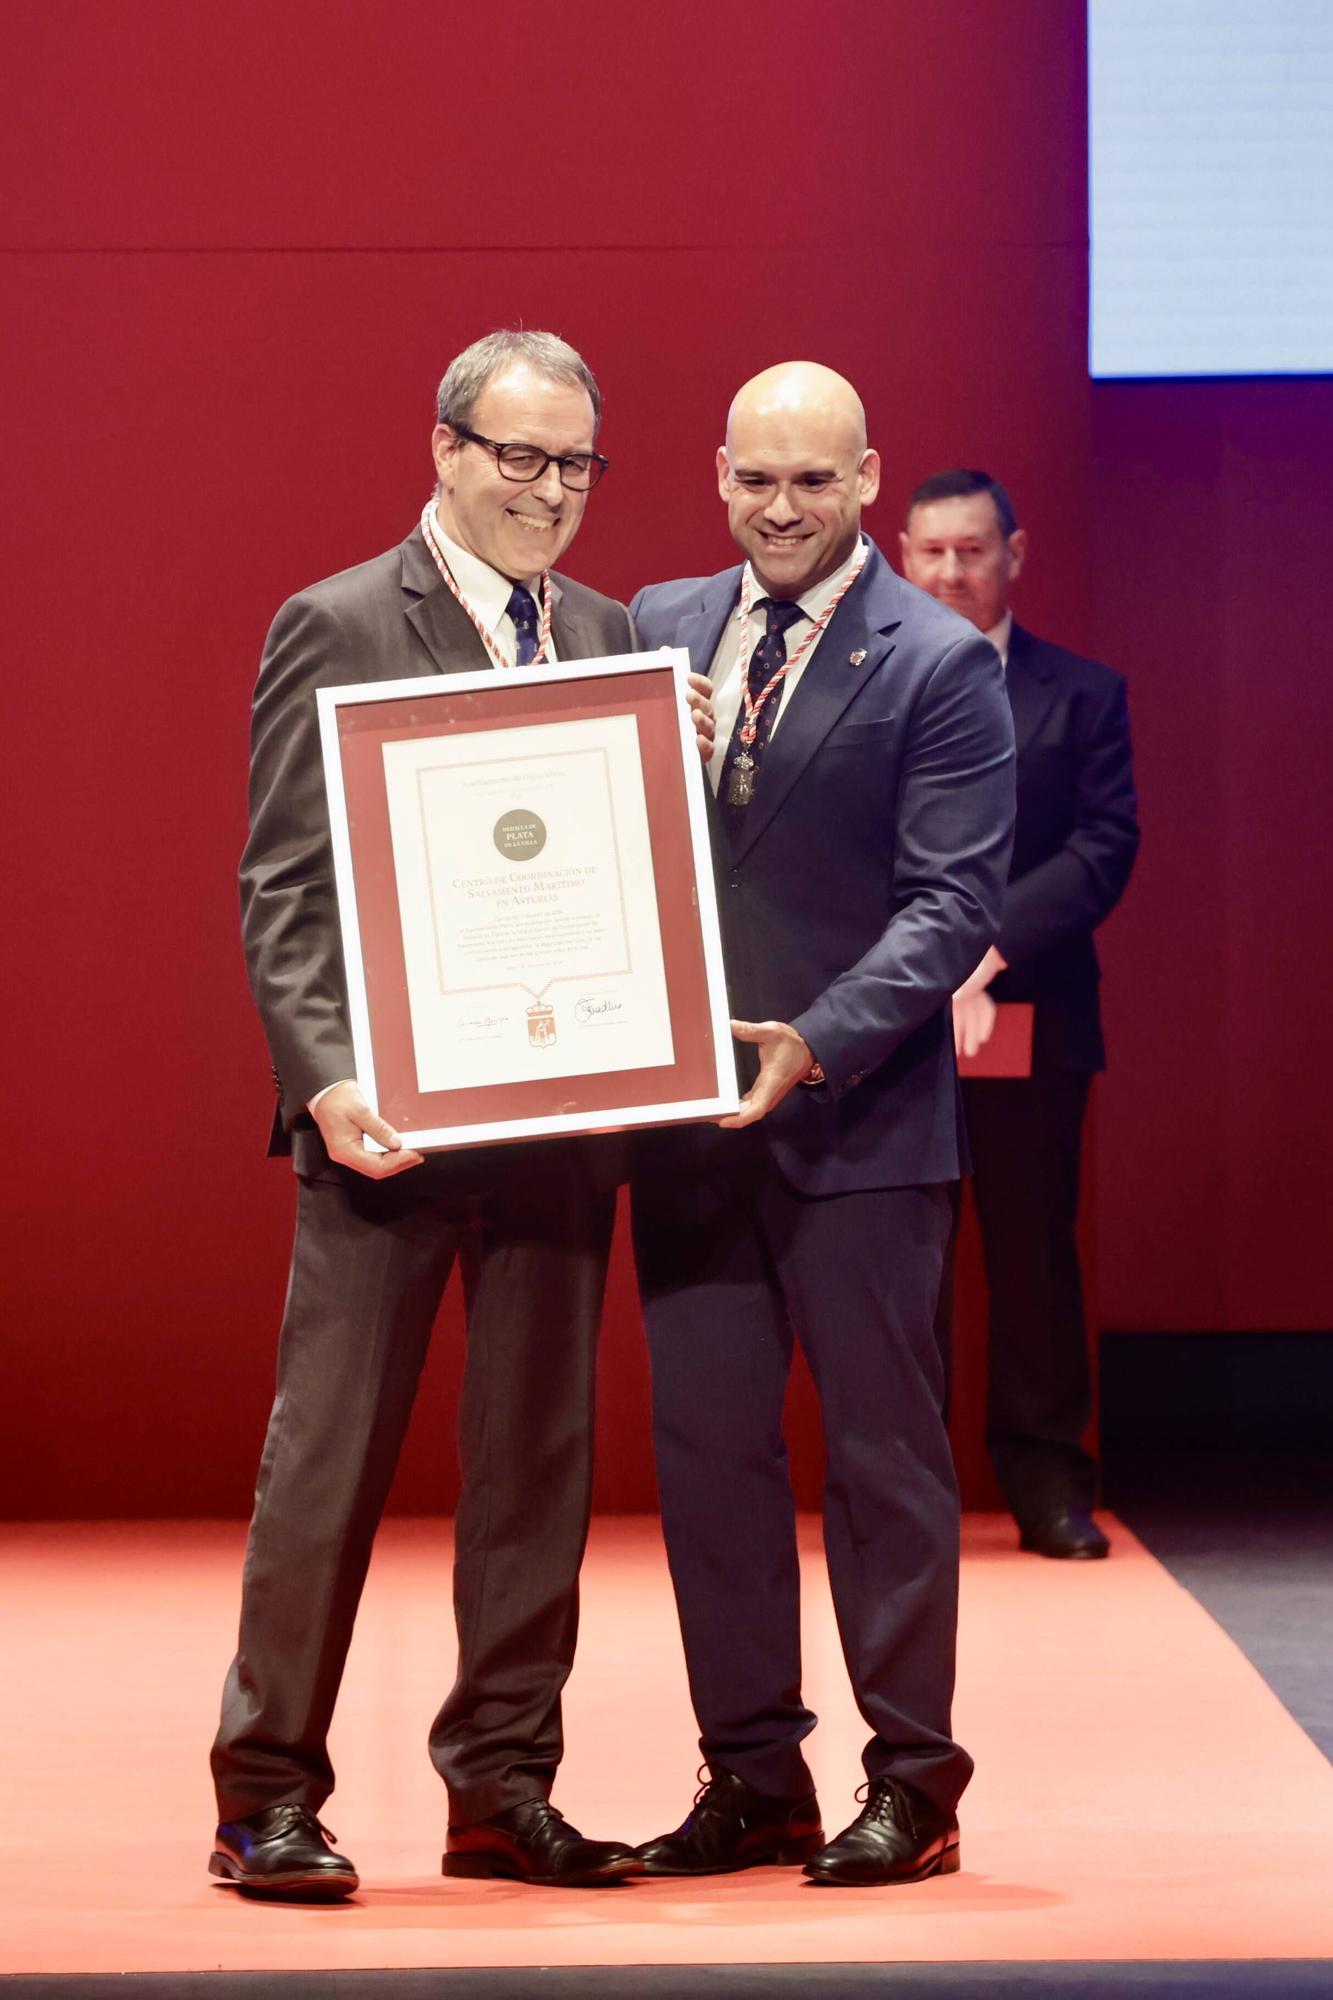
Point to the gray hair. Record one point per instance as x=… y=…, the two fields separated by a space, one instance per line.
x=546 y=353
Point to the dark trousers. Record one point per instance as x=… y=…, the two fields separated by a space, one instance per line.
x=1026 y=1136
x=368 y=1269
x=733 y=1265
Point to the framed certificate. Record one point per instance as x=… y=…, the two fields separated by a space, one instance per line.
x=526 y=895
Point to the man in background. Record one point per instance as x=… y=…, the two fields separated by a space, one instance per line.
x=1074 y=846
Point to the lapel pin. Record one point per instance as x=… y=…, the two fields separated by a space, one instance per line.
x=857 y=657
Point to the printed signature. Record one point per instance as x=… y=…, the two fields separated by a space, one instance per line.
x=597 y=1010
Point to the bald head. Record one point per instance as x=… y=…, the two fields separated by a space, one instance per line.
x=795 y=473
x=803 y=392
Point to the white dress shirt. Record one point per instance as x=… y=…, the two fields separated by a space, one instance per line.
x=488 y=594
x=999 y=637
x=727 y=681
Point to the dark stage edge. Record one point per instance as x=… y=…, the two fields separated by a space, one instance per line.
x=1217 y=1453
x=1177 y=1979
x=1251 y=1538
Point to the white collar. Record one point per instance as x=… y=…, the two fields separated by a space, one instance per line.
x=815 y=601
x=999 y=637
x=485 y=589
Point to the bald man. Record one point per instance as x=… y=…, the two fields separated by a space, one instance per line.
x=863 y=817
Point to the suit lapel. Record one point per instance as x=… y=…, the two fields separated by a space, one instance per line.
x=575 y=634
x=435 y=614
x=864 y=623
x=1029 y=685
x=701 y=630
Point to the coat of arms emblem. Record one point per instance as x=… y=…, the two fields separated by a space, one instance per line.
x=541 y=1024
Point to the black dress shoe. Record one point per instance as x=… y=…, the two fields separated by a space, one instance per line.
x=281 y=1851
x=1066 y=1533
x=899 y=1836
x=533 y=1843
x=733 y=1826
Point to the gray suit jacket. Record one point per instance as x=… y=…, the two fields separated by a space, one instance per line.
x=384 y=620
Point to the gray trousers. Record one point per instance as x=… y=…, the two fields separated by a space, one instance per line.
x=369 y=1266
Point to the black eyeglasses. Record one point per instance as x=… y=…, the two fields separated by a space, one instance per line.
x=524 y=463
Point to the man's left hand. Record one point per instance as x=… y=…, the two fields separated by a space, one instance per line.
x=784 y=1058
x=700 y=698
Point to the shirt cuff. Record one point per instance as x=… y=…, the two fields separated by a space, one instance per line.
x=312 y=1102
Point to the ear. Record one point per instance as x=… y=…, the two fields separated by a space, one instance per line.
x=867 y=476
x=1018 y=551
x=723 y=472
x=905 y=553
x=444 y=448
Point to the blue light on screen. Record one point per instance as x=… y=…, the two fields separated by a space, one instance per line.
x=1211 y=170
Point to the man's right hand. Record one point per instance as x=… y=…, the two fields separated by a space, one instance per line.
x=973 y=1022
x=342 y=1115
x=784 y=1061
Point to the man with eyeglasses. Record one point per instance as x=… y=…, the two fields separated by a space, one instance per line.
x=377 y=1233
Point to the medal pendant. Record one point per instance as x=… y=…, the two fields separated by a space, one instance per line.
x=740 y=784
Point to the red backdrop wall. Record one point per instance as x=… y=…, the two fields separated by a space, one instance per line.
x=1212 y=519
x=241 y=245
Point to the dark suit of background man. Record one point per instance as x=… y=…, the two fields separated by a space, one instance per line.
x=376 y=1235
x=1074 y=846
x=863 y=830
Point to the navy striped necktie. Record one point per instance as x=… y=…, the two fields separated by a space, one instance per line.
x=767 y=657
x=522 y=608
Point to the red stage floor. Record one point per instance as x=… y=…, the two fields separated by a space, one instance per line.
x=1140 y=1793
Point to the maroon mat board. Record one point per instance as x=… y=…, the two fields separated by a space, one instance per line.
x=363 y=729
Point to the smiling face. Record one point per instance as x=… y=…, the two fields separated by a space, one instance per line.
x=957 y=550
x=795 y=473
x=518 y=530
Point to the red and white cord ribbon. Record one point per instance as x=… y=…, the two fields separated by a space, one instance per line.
x=753 y=704
x=544 y=635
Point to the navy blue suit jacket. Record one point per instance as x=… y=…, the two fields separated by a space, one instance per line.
x=1074 y=843
x=867 y=878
